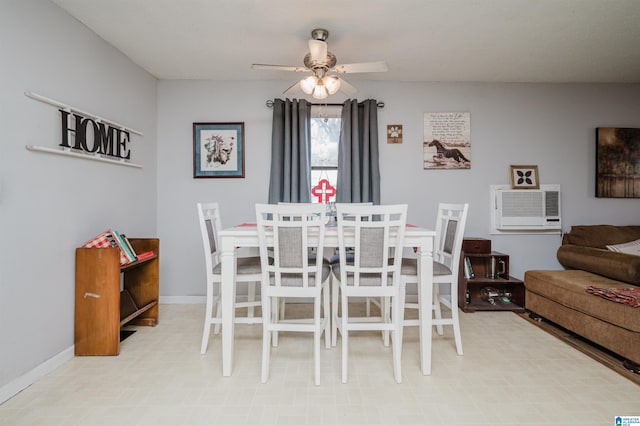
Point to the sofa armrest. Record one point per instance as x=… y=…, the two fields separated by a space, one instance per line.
x=618 y=266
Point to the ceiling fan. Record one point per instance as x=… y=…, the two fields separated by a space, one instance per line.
x=320 y=62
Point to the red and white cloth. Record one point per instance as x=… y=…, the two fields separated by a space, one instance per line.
x=627 y=296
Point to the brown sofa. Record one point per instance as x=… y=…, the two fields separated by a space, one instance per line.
x=561 y=296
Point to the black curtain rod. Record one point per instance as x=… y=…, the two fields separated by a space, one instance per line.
x=270 y=104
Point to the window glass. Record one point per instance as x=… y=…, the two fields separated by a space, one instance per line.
x=325 y=133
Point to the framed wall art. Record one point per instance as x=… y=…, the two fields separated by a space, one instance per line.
x=524 y=177
x=218 y=150
x=394 y=133
x=617 y=162
x=446 y=143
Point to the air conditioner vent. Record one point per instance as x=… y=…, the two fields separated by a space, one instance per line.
x=552 y=203
x=521 y=204
x=525 y=210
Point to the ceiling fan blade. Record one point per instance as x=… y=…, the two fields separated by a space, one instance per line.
x=318 y=50
x=347 y=88
x=292 y=89
x=278 y=67
x=380 y=66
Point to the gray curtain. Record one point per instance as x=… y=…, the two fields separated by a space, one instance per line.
x=290 y=152
x=358 y=170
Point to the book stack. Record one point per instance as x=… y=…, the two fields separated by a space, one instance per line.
x=112 y=238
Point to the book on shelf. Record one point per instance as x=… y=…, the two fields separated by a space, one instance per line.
x=126 y=246
x=128 y=243
x=109 y=239
x=145 y=255
x=468 y=270
x=121 y=245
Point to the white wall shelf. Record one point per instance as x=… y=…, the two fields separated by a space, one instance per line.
x=95 y=157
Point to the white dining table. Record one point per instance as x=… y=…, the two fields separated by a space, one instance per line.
x=246 y=235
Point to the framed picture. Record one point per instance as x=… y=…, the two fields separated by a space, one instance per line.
x=524 y=177
x=218 y=150
x=394 y=133
x=617 y=162
x=446 y=144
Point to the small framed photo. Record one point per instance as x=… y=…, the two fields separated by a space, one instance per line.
x=394 y=133
x=524 y=177
x=218 y=150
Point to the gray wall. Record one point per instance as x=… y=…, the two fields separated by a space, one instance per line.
x=550 y=125
x=50 y=204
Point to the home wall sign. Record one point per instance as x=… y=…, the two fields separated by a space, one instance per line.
x=86 y=135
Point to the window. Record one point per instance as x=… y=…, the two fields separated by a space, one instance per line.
x=325 y=133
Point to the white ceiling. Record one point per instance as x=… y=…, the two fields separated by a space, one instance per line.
x=421 y=40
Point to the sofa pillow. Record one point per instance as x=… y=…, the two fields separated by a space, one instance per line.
x=617 y=266
x=632 y=247
x=600 y=236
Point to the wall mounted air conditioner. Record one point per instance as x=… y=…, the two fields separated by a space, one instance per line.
x=523 y=211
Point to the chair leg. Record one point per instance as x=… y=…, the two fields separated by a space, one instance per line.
x=317 y=334
x=218 y=311
x=251 y=297
x=266 y=337
x=207 y=319
x=456 y=328
x=345 y=337
x=326 y=319
x=403 y=297
x=397 y=339
x=335 y=290
x=437 y=310
x=275 y=301
x=385 y=314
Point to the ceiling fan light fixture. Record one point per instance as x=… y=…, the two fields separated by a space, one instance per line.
x=308 y=84
x=332 y=83
x=320 y=91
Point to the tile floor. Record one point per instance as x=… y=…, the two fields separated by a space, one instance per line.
x=512 y=373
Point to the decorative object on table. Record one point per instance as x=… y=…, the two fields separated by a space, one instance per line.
x=319 y=61
x=447 y=140
x=524 y=177
x=218 y=150
x=617 y=162
x=394 y=133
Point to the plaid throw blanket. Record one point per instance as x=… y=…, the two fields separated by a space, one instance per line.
x=627 y=296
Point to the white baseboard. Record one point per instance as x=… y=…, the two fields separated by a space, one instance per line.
x=14 y=387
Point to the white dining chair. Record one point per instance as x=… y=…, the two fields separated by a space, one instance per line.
x=335 y=284
x=450 y=224
x=248 y=271
x=370 y=241
x=294 y=236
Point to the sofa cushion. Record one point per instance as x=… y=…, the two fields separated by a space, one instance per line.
x=618 y=266
x=569 y=288
x=600 y=236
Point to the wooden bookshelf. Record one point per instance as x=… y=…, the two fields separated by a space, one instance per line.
x=479 y=253
x=109 y=295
